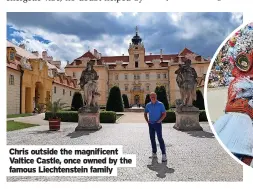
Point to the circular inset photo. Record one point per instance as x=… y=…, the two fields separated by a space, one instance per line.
x=229 y=97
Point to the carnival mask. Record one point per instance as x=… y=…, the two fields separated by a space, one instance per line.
x=243 y=62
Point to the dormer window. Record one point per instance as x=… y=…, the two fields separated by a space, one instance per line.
x=12 y=56
x=136 y=48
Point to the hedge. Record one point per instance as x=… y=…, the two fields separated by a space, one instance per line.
x=171 y=116
x=72 y=116
x=202 y=116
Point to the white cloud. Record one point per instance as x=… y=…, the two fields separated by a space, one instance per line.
x=68 y=47
x=236 y=17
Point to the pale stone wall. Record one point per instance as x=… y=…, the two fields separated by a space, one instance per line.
x=66 y=98
x=117 y=77
x=13 y=92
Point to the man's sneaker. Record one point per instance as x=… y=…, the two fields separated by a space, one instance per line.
x=164 y=158
x=153 y=155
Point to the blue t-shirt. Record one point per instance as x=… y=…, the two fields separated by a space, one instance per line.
x=155 y=111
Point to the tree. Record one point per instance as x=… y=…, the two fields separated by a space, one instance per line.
x=125 y=100
x=115 y=102
x=199 y=102
x=162 y=96
x=77 y=101
x=147 y=99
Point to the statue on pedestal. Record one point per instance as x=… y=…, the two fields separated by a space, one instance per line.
x=88 y=116
x=187 y=83
x=187 y=116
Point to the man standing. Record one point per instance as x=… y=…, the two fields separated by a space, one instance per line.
x=157 y=113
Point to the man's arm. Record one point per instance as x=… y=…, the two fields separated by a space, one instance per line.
x=163 y=111
x=162 y=118
x=146 y=117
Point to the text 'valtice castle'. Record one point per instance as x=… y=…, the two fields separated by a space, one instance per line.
x=32 y=78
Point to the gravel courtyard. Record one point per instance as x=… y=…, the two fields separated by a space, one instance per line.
x=192 y=156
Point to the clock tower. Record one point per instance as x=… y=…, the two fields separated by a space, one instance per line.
x=136 y=52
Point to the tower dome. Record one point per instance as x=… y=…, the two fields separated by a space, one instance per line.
x=136 y=39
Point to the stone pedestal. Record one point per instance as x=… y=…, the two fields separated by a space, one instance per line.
x=88 y=119
x=187 y=119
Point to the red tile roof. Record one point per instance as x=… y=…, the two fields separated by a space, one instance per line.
x=185 y=51
x=114 y=58
x=87 y=55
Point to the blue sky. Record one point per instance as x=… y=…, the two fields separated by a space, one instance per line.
x=67 y=36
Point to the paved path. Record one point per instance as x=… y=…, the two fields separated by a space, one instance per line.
x=35 y=119
x=216 y=99
x=132 y=117
x=192 y=156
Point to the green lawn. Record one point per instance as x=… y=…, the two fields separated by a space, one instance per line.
x=12 y=125
x=19 y=115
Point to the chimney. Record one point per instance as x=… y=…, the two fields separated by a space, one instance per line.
x=179 y=59
x=67 y=62
x=161 y=53
x=96 y=53
x=44 y=54
x=22 y=46
x=122 y=54
x=150 y=53
x=36 y=53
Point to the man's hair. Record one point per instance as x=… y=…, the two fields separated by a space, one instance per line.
x=153 y=93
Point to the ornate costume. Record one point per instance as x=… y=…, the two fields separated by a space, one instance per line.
x=235 y=128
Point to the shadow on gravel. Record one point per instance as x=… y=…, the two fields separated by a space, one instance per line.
x=79 y=134
x=44 y=132
x=160 y=168
x=200 y=134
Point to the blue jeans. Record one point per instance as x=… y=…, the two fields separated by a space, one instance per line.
x=156 y=128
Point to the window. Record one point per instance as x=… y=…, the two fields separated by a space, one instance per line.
x=135 y=77
x=126 y=76
x=147 y=76
x=158 y=76
x=164 y=75
x=11 y=80
x=74 y=74
x=126 y=88
x=63 y=91
x=136 y=56
x=147 y=87
x=136 y=64
x=138 y=76
x=116 y=77
x=12 y=56
x=69 y=93
x=54 y=90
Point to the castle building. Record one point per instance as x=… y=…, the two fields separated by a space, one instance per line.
x=34 y=80
x=138 y=73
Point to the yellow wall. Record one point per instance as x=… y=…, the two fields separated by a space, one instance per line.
x=32 y=78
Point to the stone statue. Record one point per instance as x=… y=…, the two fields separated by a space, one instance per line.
x=89 y=116
x=187 y=116
x=187 y=83
x=88 y=83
